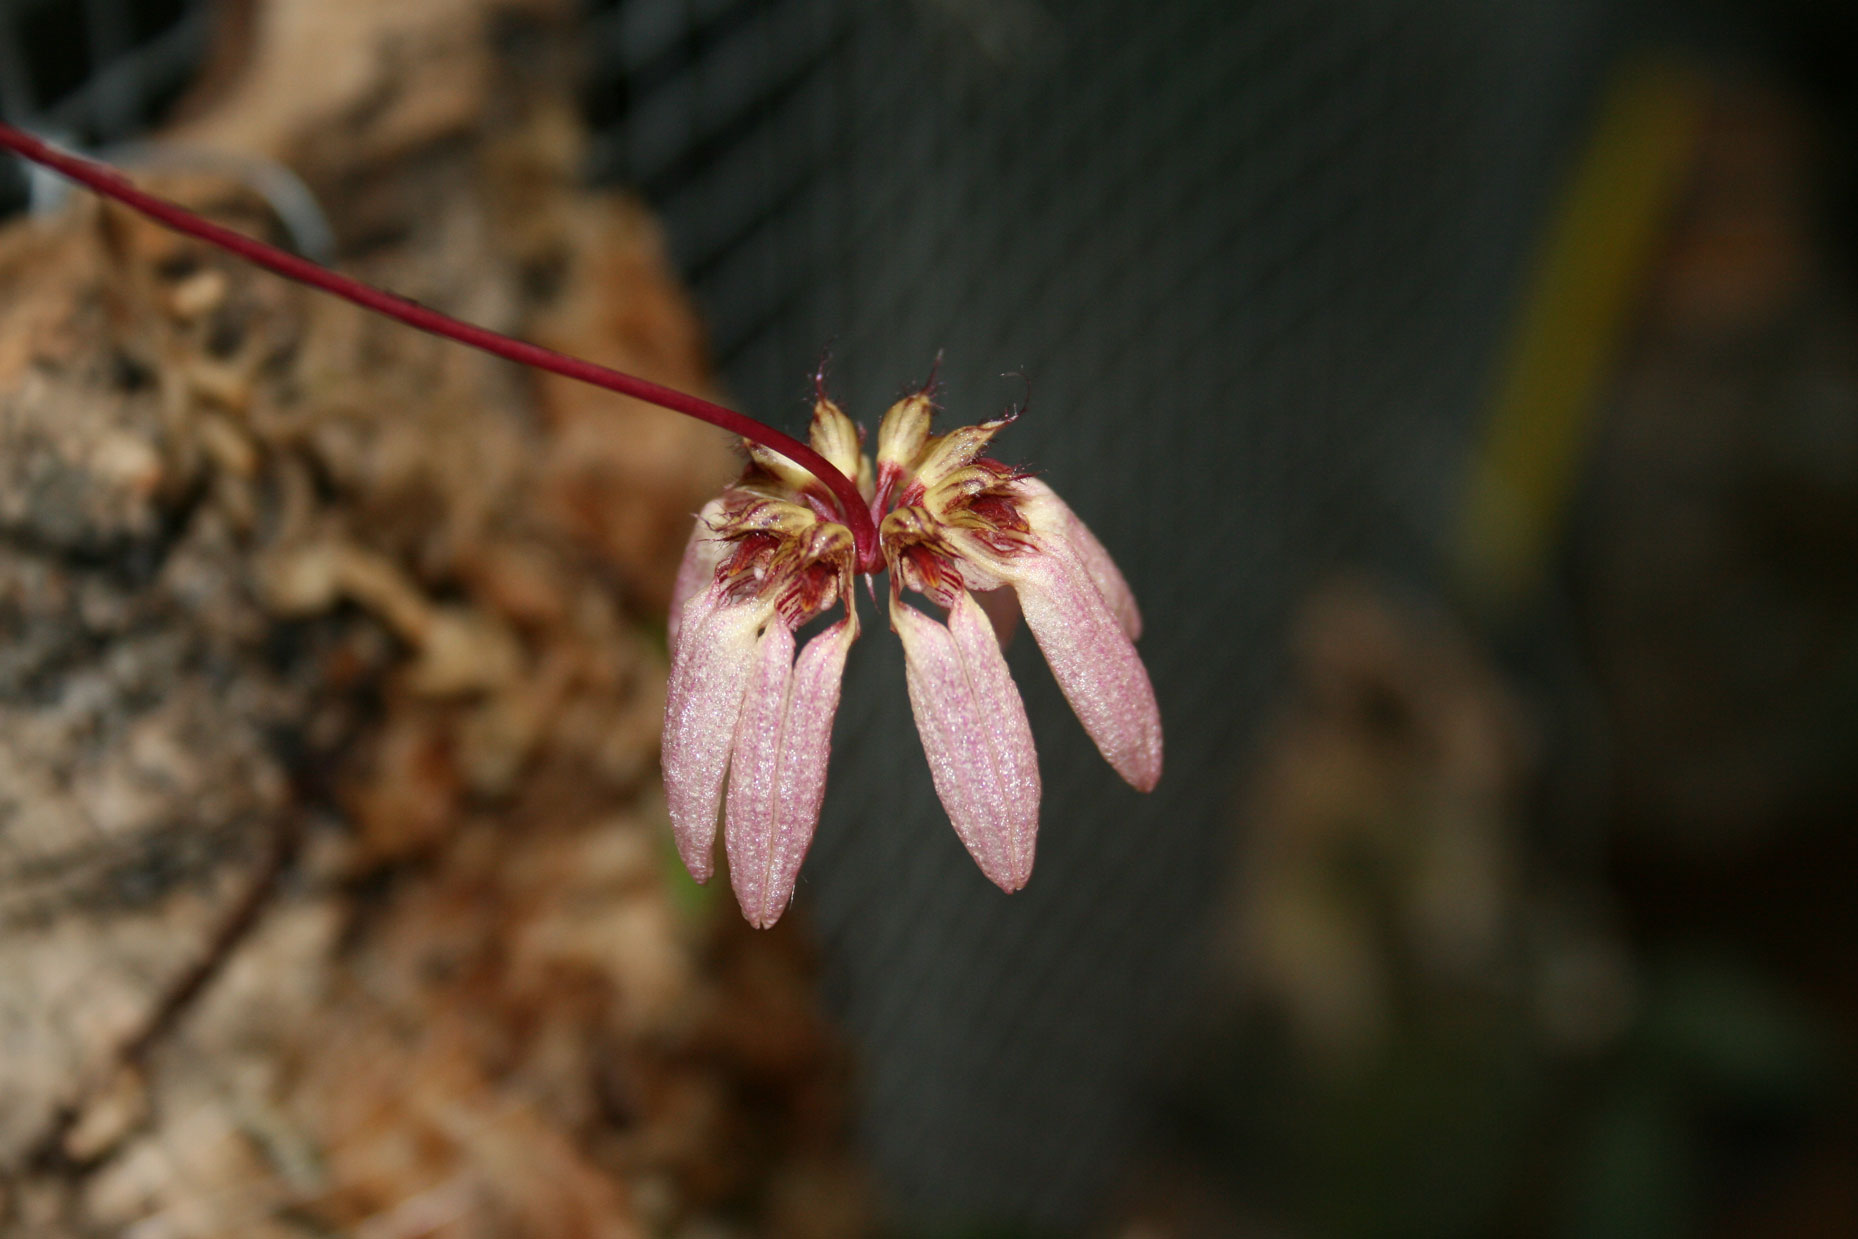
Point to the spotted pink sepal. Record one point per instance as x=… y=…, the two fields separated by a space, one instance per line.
x=711 y=665
x=975 y=734
x=1080 y=611
x=777 y=777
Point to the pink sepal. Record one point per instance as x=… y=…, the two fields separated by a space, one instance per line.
x=1050 y=517
x=777 y=780
x=1091 y=658
x=974 y=732
x=710 y=669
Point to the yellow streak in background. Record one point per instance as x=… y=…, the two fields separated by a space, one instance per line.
x=1573 y=325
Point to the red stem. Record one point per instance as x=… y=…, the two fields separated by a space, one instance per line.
x=112 y=184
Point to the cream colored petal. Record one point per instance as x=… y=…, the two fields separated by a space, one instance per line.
x=835 y=436
x=953 y=452
x=794 y=477
x=975 y=735
x=904 y=430
x=711 y=665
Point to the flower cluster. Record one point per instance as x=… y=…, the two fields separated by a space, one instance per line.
x=748 y=727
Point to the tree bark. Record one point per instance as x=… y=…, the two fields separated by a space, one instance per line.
x=335 y=889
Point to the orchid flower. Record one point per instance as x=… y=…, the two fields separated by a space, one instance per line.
x=748 y=727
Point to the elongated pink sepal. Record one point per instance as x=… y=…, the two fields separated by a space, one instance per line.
x=975 y=734
x=754 y=766
x=711 y=665
x=1092 y=660
x=777 y=780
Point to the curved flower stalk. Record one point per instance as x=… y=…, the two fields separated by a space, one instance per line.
x=748 y=728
